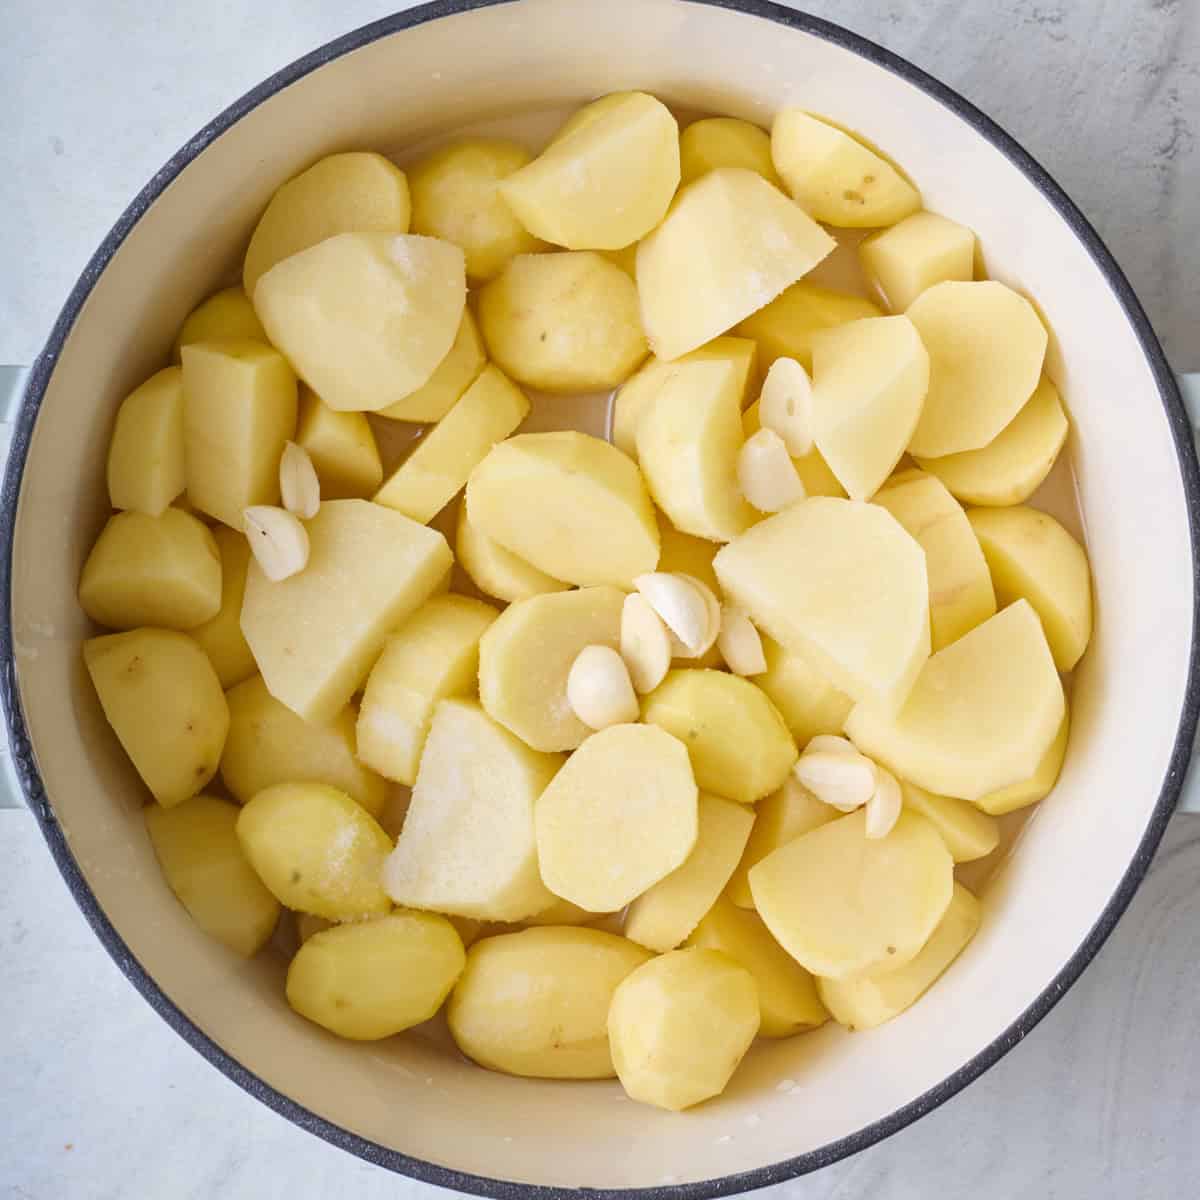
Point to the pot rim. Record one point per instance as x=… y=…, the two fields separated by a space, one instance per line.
x=501 y=1189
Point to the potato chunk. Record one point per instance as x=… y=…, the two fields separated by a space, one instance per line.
x=834 y=177
x=968 y=833
x=342 y=448
x=662 y=917
x=239 y=411
x=268 y=744
x=571 y=505
x=365 y=318
x=372 y=980
x=196 y=845
x=737 y=742
x=958 y=738
x=163 y=571
x=434 y=654
x=468 y=846
x=1032 y=557
x=495 y=570
x=867 y=1002
x=526 y=655
x=163 y=699
x=452 y=376
x=986 y=347
x=316 y=635
x=920 y=251
x=221 y=636
x=564 y=322
x=606 y=177
x=1038 y=785
x=730 y=244
x=680 y=1024
x=725 y=142
x=145 y=457
x=842 y=904
x=618 y=817
x=859 y=609
x=808 y=703
x=225 y=314
x=357 y=192
x=536 y=1003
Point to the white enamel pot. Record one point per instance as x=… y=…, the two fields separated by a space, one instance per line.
x=795 y=1105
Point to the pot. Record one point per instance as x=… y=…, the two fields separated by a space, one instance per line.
x=409 y=1104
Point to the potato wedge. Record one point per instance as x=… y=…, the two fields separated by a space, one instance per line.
x=225 y=314
x=452 y=376
x=221 y=636
x=808 y=703
x=968 y=833
x=496 y=571
x=145 y=457
x=1038 y=786
x=725 y=142
x=913 y=255
x=342 y=448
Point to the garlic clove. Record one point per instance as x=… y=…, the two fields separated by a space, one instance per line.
x=785 y=405
x=830 y=743
x=713 y=606
x=682 y=607
x=599 y=689
x=883 y=808
x=842 y=781
x=766 y=474
x=740 y=644
x=298 y=482
x=278 y=541
x=645 y=643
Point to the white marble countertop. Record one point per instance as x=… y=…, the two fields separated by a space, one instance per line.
x=1101 y=1101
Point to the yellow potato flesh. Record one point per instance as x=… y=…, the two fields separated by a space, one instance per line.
x=1038 y=786
x=342 y=448
x=561 y=912
x=680 y=1024
x=495 y=570
x=619 y=816
x=225 y=314
x=808 y=703
x=316 y=635
x=920 y=251
x=221 y=637
x=373 y=980
x=1032 y=557
x=452 y=376
x=968 y=833
x=164 y=702
x=730 y=244
x=434 y=654
x=468 y=846
x=239 y=411
x=813 y=470
x=197 y=848
x=725 y=142
x=981 y=715
x=866 y=1003
x=737 y=742
x=163 y=571
x=536 y=1003
x=787 y=994
x=663 y=917
x=843 y=905
x=571 y=505
x=145 y=457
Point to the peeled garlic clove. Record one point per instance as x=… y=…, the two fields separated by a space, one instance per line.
x=766 y=474
x=298 y=482
x=277 y=539
x=713 y=607
x=883 y=808
x=740 y=644
x=785 y=405
x=830 y=743
x=682 y=607
x=645 y=643
x=842 y=781
x=599 y=690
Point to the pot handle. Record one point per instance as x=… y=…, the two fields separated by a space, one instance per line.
x=12 y=388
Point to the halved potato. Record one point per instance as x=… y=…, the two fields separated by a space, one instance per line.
x=145 y=457
x=225 y=314
x=221 y=637
x=452 y=376
x=724 y=142
x=920 y=251
x=968 y=833
x=495 y=570
x=342 y=448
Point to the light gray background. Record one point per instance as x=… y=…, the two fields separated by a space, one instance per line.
x=98 y=1099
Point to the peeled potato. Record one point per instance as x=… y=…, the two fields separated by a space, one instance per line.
x=957 y=738
x=365 y=318
x=619 y=816
x=221 y=636
x=920 y=251
x=730 y=244
x=841 y=583
x=869 y=383
x=196 y=845
x=561 y=912
x=456 y=196
x=564 y=322
x=680 y=1024
x=813 y=470
x=737 y=742
x=452 y=376
x=342 y=448
x=960 y=587
x=495 y=570
x=986 y=347
x=162 y=697
x=374 y=979
x=225 y=314
x=968 y=833
x=662 y=917
x=468 y=845
x=356 y=192
x=606 y=178
x=867 y=1002
x=1032 y=557
x=536 y=1003
x=724 y=142
x=163 y=571
x=808 y=703
x=145 y=456
x=844 y=905
x=526 y=655
x=434 y=654
x=1038 y=785
x=834 y=177
x=787 y=994
x=571 y=505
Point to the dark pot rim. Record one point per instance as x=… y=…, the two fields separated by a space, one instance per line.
x=504 y=1189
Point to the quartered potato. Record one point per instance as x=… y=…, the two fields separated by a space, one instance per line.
x=968 y=833
x=221 y=636
x=1038 y=785
x=808 y=703
x=495 y=570
x=724 y=142
x=342 y=448
x=145 y=456
x=452 y=376
x=920 y=251
x=225 y=314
